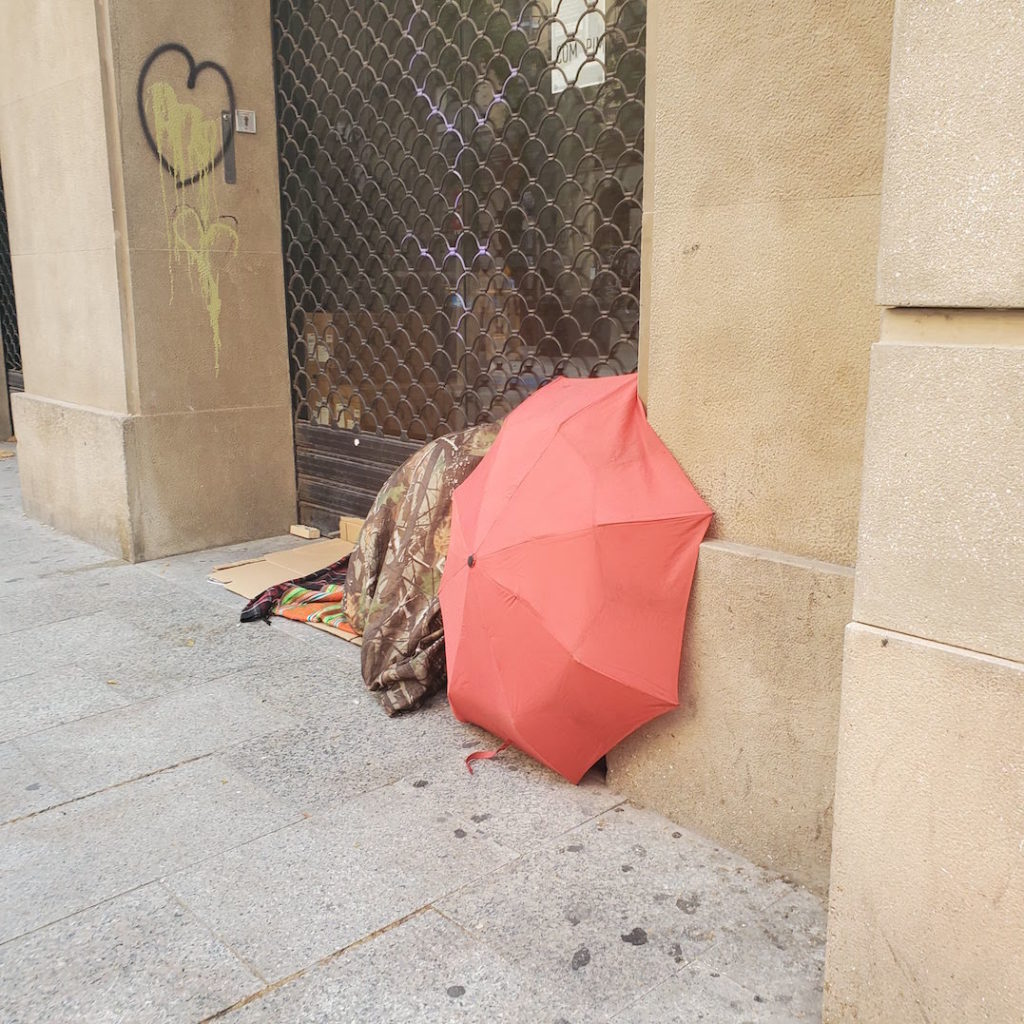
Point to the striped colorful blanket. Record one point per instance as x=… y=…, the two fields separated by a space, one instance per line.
x=318 y=597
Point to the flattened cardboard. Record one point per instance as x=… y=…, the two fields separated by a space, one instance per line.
x=352 y=638
x=251 y=577
x=349 y=528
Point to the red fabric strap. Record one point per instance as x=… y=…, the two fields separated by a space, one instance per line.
x=484 y=755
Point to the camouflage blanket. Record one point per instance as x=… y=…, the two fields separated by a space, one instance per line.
x=395 y=571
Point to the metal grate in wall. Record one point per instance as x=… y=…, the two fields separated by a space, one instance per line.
x=461 y=192
x=8 y=309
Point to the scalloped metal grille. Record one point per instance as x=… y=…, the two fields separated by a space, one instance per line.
x=461 y=201
x=8 y=311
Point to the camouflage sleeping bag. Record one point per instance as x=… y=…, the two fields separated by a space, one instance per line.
x=391 y=588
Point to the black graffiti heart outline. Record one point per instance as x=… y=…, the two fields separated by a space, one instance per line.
x=195 y=70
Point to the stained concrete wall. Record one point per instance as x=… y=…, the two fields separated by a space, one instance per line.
x=64 y=259
x=762 y=203
x=951 y=213
x=927 y=887
x=750 y=756
x=764 y=143
x=924 y=915
x=59 y=206
x=124 y=280
x=926 y=872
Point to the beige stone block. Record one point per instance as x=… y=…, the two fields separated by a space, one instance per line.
x=207 y=478
x=749 y=756
x=143 y=487
x=757 y=101
x=73 y=472
x=174 y=337
x=942 y=517
x=761 y=320
x=69 y=321
x=45 y=44
x=927 y=886
x=56 y=171
x=236 y=36
x=954 y=173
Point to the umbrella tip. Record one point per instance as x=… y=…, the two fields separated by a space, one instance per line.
x=471 y=561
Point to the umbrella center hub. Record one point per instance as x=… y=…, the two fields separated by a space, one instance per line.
x=471 y=561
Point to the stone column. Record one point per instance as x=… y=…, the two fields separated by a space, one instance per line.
x=760 y=243
x=925 y=919
x=156 y=415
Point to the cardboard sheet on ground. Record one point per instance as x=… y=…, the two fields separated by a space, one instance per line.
x=250 y=577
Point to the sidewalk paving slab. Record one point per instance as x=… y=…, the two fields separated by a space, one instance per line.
x=139 y=956
x=24 y=788
x=201 y=819
x=126 y=743
x=78 y=854
x=425 y=971
x=622 y=902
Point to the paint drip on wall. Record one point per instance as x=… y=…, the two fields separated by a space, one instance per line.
x=198 y=235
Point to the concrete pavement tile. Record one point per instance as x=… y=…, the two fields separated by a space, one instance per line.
x=344 y=743
x=613 y=907
x=54 y=598
x=514 y=800
x=190 y=572
x=570 y=936
x=666 y=854
x=417 y=842
x=290 y=899
x=24 y=789
x=325 y=690
x=778 y=953
x=314 y=766
x=699 y=994
x=130 y=624
x=51 y=645
x=309 y=690
x=424 y=971
x=165 y=664
x=123 y=744
x=287 y=900
x=46 y=699
x=139 y=957
x=83 y=852
x=33 y=549
x=446 y=737
x=141 y=670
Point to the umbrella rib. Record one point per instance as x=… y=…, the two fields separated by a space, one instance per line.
x=543 y=452
x=543 y=625
x=681 y=517
x=540 y=619
x=533 y=611
x=572 y=654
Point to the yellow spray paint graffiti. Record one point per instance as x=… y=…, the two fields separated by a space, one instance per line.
x=187 y=141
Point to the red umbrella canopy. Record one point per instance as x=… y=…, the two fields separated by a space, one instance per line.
x=564 y=593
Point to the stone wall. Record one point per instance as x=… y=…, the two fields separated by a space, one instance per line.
x=156 y=416
x=764 y=143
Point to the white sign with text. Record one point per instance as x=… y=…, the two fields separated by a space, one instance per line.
x=577 y=36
